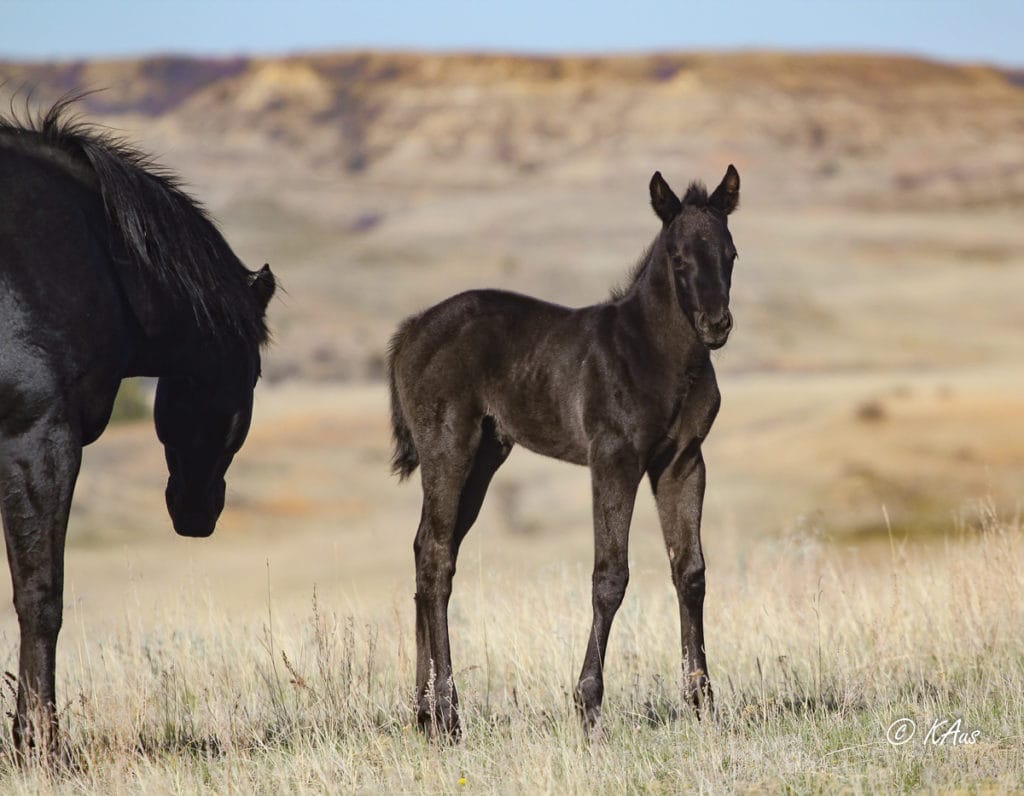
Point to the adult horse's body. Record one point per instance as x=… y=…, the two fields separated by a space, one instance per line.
x=107 y=270
x=625 y=387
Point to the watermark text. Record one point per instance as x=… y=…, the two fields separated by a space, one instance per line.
x=941 y=732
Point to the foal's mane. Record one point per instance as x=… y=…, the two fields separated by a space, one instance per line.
x=157 y=227
x=696 y=196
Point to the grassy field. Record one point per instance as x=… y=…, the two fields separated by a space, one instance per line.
x=815 y=652
x=192 y=665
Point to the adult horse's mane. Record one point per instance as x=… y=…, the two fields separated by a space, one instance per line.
x=696 y=196
x=163 y=236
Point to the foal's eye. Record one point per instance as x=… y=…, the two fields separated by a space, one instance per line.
x=677 y=260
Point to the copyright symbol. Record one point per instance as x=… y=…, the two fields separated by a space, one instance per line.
x=900 y=731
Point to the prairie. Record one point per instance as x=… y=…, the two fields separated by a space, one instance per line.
x=816 y=652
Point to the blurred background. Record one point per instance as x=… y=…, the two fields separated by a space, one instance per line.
x=382 y=156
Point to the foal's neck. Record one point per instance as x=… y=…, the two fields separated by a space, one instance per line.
x=655 y=301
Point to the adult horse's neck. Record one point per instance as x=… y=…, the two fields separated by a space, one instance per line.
x=200 y=334
x=182 y=348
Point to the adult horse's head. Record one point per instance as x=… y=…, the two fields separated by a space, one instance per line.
x=700 y=251
x=202 y=420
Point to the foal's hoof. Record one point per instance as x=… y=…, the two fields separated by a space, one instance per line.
x=588 y=709
x=441 y=725
x=701 y=696
x=590 y=718
x=52 y=754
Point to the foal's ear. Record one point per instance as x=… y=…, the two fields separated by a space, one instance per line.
x=665 y=203
x=263 y=283
x=727 y=195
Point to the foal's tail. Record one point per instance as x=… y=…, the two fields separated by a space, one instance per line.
x=405 y=459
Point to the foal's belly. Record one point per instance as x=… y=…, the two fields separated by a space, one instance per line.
x=557 y=449
x=546 y=434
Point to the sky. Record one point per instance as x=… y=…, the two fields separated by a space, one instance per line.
x=990 y=31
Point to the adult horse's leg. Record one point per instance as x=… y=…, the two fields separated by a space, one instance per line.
x=679 y=492
x=38 y=469
x=615 y=476
x=437 y=696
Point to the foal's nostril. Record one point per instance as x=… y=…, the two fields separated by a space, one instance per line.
x=713 y=332
x=722 y=323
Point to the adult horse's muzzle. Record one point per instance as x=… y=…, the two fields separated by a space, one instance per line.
x=194 y=515
x=713 y=332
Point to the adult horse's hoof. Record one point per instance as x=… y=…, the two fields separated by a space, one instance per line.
x=34 y=745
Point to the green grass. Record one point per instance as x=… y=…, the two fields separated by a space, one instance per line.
x=813 y=652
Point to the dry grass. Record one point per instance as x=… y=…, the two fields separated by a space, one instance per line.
x=174 y=679
x=815 y=652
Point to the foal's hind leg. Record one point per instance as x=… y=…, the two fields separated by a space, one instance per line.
x=38 y=469
x=679 y=492
x=490 y=455
x=453 y=491
x=435 y=565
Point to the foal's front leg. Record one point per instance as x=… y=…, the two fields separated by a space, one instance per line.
x=679 y=493
x=615 y=475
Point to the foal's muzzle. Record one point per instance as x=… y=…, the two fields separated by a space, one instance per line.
x=713 y=331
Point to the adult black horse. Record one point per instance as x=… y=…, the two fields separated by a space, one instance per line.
x=107 y=269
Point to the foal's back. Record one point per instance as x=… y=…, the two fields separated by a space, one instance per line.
x=497 y=354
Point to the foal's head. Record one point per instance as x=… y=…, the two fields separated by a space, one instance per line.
x=203 y=418
x=700 y=251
